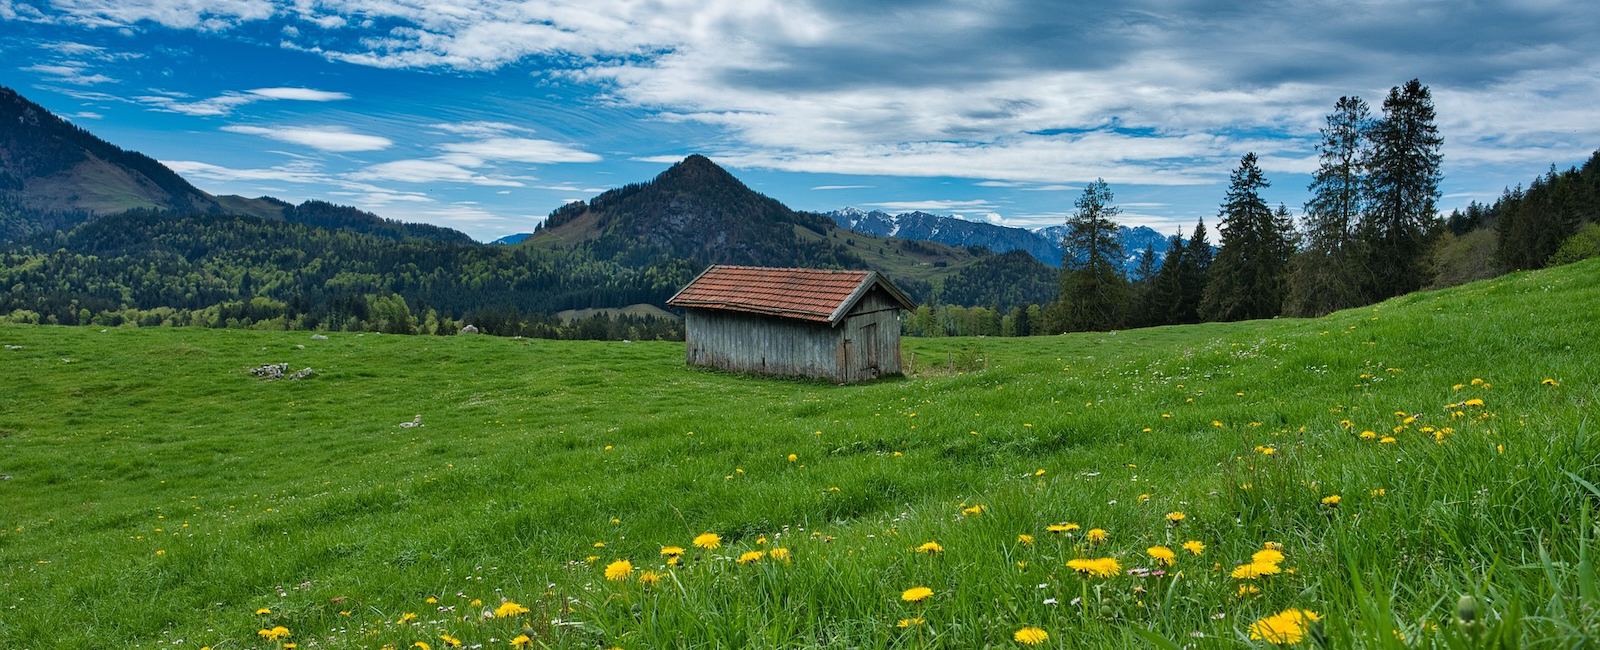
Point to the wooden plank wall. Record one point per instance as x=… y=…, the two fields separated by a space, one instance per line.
x=882 y=314
x=762 y=344
x=795 y=348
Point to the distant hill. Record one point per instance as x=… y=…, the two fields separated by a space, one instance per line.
x=513 y=239
x=1044 y=244
x=696 y=213
x=54 y=175
x=90 y=232
x=50 y=164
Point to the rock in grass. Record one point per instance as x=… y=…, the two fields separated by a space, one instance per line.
x=470 y=329
x=276 y=371
x=318 y=337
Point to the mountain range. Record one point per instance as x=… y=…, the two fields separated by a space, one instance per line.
x=90 y=231
x=1044 y=243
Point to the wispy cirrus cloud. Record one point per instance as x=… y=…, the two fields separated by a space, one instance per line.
x=226 y=103
x=418 y=170
x=335 y=139
x=70 y=72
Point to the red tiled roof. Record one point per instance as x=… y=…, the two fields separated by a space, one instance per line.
x=807 y=294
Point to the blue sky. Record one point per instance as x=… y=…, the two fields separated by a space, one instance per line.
x=484 y=116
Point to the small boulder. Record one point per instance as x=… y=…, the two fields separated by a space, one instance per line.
x=470 y=329
x=318 y=337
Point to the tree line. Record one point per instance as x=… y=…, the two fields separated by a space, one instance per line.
x=1370 y=231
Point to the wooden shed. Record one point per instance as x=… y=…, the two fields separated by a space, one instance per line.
x=838 y=325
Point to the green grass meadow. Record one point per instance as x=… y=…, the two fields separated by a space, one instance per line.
x=155 y=494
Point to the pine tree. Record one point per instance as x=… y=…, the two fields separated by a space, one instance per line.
x=1146 y=270
x=1093 y=291
x=1248 y=278
x=1165 y=294
x=1403 y=184
x=1140 y=306
x=1194 y=274
x=1325 y=276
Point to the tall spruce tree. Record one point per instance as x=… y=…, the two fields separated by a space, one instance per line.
x=1194 y=274
x=1248 y=278
x=1093 y=291
x=1165 y=294
x=1325 y=275
x=1144 y=280
x=1403 y=184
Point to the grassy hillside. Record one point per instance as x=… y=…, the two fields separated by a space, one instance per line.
x=155 y=494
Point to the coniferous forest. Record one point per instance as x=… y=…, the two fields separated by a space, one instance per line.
x=1370 y=231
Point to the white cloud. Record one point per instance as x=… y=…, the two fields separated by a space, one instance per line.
x=526 y=150
x=226 y=103
x=323 y=138
x=428 y=171
x=70 y=72
x=932 y=205
x=299 y=94
x=826 y=188
x=480 y=128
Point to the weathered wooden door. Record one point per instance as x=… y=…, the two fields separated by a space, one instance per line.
x=869 y=350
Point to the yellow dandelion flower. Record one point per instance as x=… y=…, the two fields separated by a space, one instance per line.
x=1143 y=498
x=599 y=544
x=1194 y=546
x=1477 y=382
x=780 y=553
x=1267 y=556
x=671 y=551
x=406 y=618
x=793 y=457
x=1247 y=589
x=1265 y=450
x=910 y=622
x=509 y=608
x=1096 y=535
x=1030 y=636
x=930 y=548
x=521 y=641
x=1061 y=529
x=916 y=594
x=1332 y=500
x=619 y=570
x=1105 y=567
x=649 y=578
x=1176 y=517
x=274 y=634
x=973 y=510
x=1255 y=570
x=751 y=556
x=1025 y=538
x=1548 y=381
x=708 y=541
x=1162 y=555
x=450 y=640
x=1386 y=440
x=263 y=611
x=431 y=600
x=1474 y=402
x=422 y=645
x=1369 y=435
x=1287 y=627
